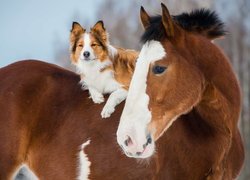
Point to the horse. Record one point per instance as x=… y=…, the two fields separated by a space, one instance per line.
x=184 y=100
x=48 y=124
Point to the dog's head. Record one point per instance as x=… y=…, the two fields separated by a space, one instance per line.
x=88 y=46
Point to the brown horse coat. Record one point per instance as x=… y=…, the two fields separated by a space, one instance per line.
x=45 y=117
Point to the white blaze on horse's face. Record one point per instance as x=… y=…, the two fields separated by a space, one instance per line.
x=132 y=133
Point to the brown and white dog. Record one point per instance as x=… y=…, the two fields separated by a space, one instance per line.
x=103 y=68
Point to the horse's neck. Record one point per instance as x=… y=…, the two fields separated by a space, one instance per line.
x=216 y=110
x=218 y=118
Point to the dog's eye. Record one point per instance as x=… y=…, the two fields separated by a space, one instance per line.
x=158 y=69
x=80 y=45
x=94 y=45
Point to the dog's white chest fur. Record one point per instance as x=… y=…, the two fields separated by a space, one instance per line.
x=92 y=76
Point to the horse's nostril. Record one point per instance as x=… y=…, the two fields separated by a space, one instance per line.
x=128 y=141
x=130 y=154
x=138 y=153
x=149 y=141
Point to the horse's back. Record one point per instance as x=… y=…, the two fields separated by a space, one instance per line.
x=45 y=119
x=29 y=68
x=27 y=85
x=32 y=94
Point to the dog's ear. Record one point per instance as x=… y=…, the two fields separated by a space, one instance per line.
x=100 y=30
x=76 y=32
x=77 y=29
x=99 y=26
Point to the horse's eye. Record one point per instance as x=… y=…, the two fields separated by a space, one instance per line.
x=159 y=69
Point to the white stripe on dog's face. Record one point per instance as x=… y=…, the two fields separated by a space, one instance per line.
x=136 y=115
x=87 y=48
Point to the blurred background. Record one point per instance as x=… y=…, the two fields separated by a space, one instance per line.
x=40 y=30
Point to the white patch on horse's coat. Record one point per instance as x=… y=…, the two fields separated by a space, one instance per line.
x=84 y=163
x=24 y=172
x=136 y=115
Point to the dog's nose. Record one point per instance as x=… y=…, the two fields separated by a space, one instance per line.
x=86 y=54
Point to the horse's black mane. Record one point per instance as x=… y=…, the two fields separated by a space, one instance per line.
x=202 y=21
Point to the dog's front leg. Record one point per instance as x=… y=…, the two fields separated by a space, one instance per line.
x=96 y=96
x=114 y=99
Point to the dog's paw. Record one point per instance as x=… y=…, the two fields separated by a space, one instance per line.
x=107 y=111
x=97 y=98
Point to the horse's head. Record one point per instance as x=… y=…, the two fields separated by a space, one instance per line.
x=166 y=84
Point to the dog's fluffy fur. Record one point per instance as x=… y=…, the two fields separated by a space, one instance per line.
x=104 y=69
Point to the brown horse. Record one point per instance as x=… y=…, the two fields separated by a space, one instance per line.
x=46 y=120
x=50 y=125
x=184 y=100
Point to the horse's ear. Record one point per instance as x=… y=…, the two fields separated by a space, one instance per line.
x=167 y=21
x=77 y=29
x=145 y=18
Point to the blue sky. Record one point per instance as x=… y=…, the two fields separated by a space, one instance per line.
x=29 y=28
x=38 y=28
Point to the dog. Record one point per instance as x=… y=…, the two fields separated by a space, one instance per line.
x=103 y=68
